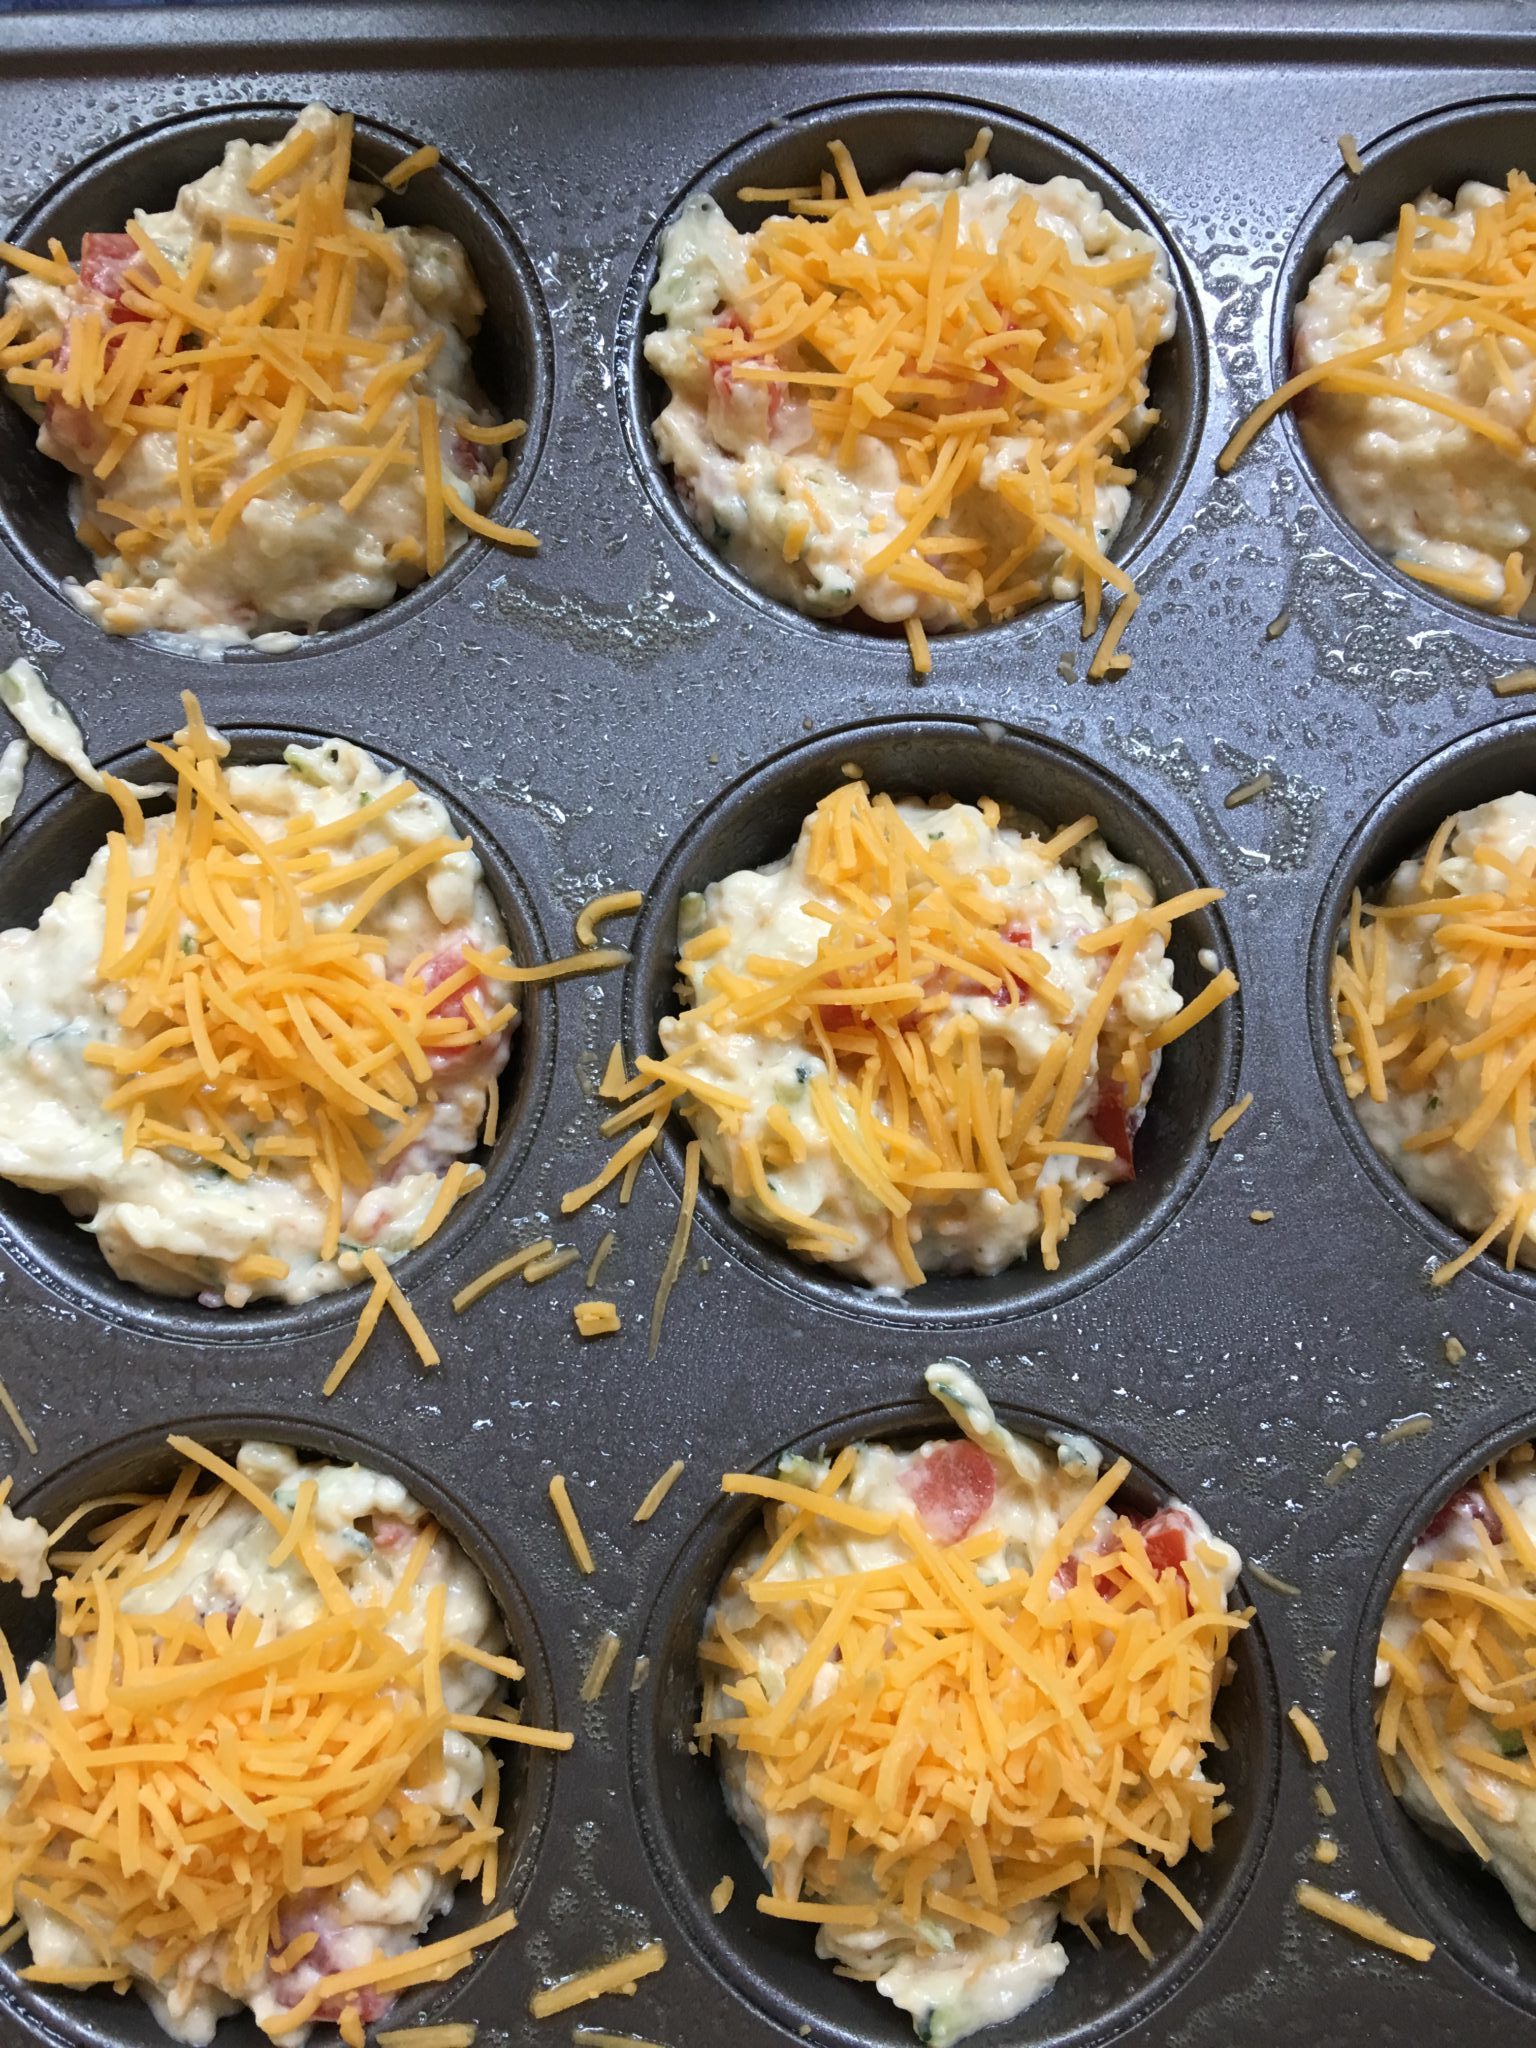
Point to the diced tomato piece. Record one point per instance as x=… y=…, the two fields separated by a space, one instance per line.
x=1111 y=1128
x=371 y=2003
x=390 y=1533
x=952 y=1485
x=1065 y=1575
x=838 y=1016
x=443 y=965
x=724 y=378
x=105 y=261
x=1167 y=1537
x=1469 y=1503
x=469 y=458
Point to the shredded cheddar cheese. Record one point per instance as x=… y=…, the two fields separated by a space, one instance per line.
x=168 y=355
x=659 y=1491
x=1001 y=379
x=18 y=1422
x=722 y=1895
x=595 y=1318
x=1361 y=1920
x=604 y=1658
x=161 y=1805
x=1457 y=1709
x=1308 y=1734
x=1485 y=288
x=904 y=1101
x=560 y=1500
x=899 y=1724
x=620 y=1975
x=1476 y=1014
x=252 y=1027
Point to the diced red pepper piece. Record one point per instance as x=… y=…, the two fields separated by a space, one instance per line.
x=1467 y=1501
x=724 y=377
x=105 y=261
x=1111 y=1127
x=1167 y=1536
x=952 y=1485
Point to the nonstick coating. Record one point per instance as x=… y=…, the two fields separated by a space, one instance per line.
x=621 y=711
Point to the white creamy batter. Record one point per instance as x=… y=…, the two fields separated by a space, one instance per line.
x=951 y=1978
x=800 y=519
x=769 y=911
x=1413 y=482
x=295 y=560
x=366 y=1523
x=163 y=1219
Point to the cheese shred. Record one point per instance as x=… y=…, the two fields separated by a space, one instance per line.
x=621 y=1975
x=1361 y=1920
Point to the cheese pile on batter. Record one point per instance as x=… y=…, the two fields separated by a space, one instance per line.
x=1455 y=1715
x=919 y=401
x=1434 y=991
x=922 y=1042
x=265 y=393
x=956 y=1695
x=255 y=1765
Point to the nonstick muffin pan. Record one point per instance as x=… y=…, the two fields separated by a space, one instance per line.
x=620 y=710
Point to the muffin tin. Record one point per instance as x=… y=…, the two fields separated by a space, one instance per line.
x=620 y=710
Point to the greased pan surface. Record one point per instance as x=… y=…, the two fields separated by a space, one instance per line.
x=621 y=711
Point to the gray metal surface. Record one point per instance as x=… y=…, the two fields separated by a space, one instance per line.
x=620 y=711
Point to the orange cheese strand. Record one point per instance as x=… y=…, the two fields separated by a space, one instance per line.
x=905 y=1103
x=249 y=1032
x=199 y=1776
x=968 y=1744
x=909 y=330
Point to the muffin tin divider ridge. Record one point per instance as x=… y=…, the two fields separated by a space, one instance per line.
x=585 y=711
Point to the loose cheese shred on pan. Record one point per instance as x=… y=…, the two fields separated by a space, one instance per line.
x=1518 y=683
x=1323 y=1800
x=1310 y=1734
x=504 y=1269
x=722 y=1895
x=659 y=1491
x=550 y=1263
x=621 y=1975
x=604 y=1658
x=405 y=1315
x=894 y=900
x=225 y=378
x=16 y=1420
x=367 y=1323
x=1245 y=792
x=679 y=1247
x=1483 y=288
x=917 y=641
x=600 y=1257
x=172 y=1721
x=559 y=1495
x=1275 y=1585
x=1229 y=1118
x=956 y=357
x=617 y=904
x=397 y=179
x=911 y=1671
x=1351 y=155
x=591 y=2037
x=1370 y=1926
x=452 y=2034
x=596 y=1318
